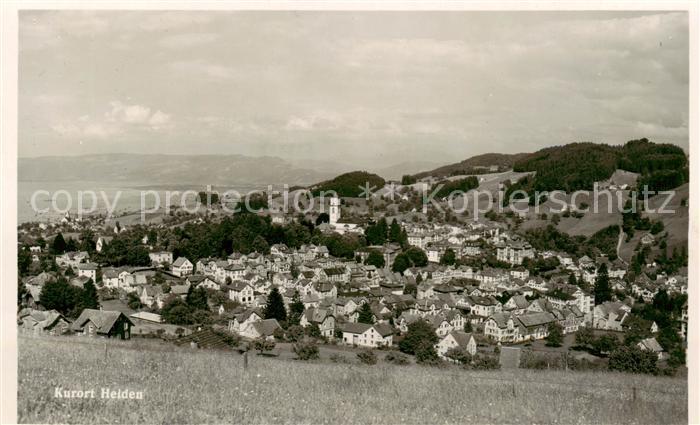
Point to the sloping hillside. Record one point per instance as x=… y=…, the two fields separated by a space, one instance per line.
x=200 y=386
x=471 y=165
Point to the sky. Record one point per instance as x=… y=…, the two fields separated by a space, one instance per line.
x=365 y=88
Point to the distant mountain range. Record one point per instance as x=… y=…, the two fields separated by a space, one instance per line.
x=170 y=169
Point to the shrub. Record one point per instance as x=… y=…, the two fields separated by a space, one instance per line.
x=338 y=358
x=295 y=333
x=458 y=355
x=231 y=339
x=482 y=362
x=306 y=350
x=367 y=357
x=396 y=358
x=263 y=344
x=633 y=359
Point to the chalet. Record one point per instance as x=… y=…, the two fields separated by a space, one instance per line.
x=456 y=340
x=534 y=325
x=610 y=315
x=109 y=324
x=49 y=322
x=501 y=327
x=198 y=280
x=323 y=318
x=263 y=328
x=242 y=292
x=88 y=270
x=182 y=267
x=651 y=344
x=244 y=319
x=364 y=335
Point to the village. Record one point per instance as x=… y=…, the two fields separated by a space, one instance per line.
x=473 y=284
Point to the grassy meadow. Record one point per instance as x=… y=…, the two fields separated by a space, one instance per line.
x=184 y=385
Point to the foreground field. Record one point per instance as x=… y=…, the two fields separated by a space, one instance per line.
x=186 y=386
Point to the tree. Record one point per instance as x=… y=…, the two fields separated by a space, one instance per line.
x=602 y=291
x=468 y=326
x=24 y=260
x=426 y=354
x=633 y=359
x=419 y=335
x=585 y=337
x=196 y=298
x=133 y=301
x=176 y=312
x=323 y=218
x=366 y=315
x=401 y=263
x=395 y=231
x=296 y=309
x=60 y=295
x=58 y=246
x=274 y=309
x=605 y=344
x=260 y=245
x=89 y=298
x=555 y=335
x=572 y=280
x=263 y=344
x=375 y=258
x=314 y=331
x=448 y=258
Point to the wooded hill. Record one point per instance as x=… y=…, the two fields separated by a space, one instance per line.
x=577 y=166
x=350 y=184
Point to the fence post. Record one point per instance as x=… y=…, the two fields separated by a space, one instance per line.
x=634 y=393
x=105 y=349
x=513 y=386
x=245 y=360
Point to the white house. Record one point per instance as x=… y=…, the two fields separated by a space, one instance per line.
x=182 y=267
x=364 y=335
x=458 y=340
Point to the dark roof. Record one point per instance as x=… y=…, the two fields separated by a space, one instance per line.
x=104 y=320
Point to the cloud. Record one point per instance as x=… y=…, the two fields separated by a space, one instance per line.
x=121 y=118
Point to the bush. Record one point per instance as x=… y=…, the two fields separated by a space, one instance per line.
x=367 y=357
x=306 y=350
x=482 y=362
x=396 y=358
x=263 y=344
x=295 y=333
x=633 y=359
x=458 y=355
x=338 y=358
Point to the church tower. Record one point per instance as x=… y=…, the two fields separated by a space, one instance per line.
x=334 y=212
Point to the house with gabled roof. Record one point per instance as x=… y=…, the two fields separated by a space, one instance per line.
x=49 y=322
x=265 y=328
x=182 y=267
x=243 y=319
x=456 y=339
x=364 y=335
x=323 y=318
x=109 y=324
